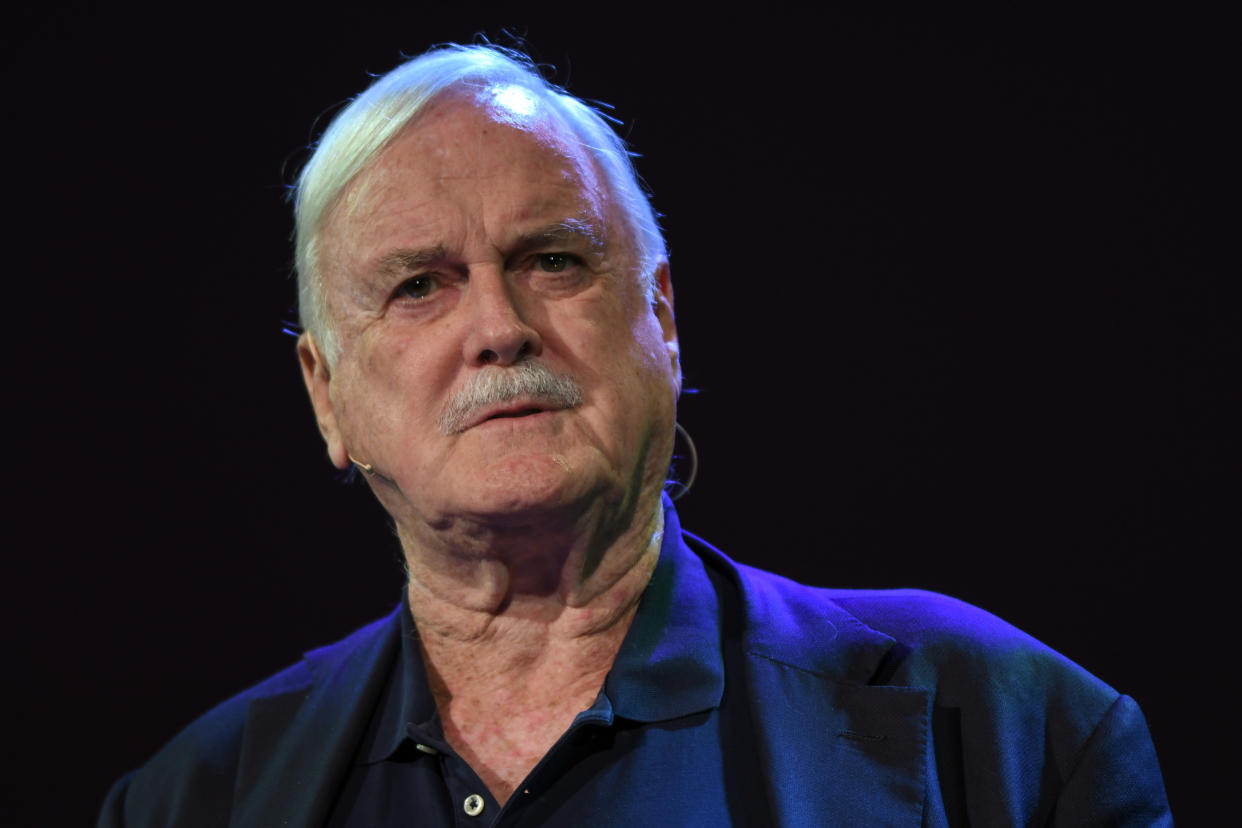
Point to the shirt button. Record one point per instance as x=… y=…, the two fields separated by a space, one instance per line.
x=473 y=805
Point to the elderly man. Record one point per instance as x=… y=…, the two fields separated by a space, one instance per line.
x=490 y=340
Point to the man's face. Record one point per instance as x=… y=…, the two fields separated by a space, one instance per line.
x=480 y=239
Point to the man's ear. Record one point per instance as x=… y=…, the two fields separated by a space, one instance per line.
x=318 y=379
x=662 y=305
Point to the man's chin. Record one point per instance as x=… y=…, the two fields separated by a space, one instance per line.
x=535 y=481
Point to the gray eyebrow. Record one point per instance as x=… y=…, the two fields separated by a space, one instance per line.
x=560 y=233
x=570 y=231
x=399 y=261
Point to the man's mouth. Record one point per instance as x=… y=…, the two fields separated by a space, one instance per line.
x=509 y=411
x=521 y=412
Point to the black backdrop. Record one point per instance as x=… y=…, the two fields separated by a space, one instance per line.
x=953 y=290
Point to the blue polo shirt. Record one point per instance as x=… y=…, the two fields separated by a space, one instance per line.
x=667 y=742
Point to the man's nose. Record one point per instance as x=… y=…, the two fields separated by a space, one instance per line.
x=498 y=333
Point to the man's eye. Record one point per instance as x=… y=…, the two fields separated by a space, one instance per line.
x=554 y=262
x=417 y=288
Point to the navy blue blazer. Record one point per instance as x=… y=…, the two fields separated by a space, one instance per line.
x=870 y=708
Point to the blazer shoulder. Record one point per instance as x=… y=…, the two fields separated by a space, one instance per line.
x=1003 y=702
x=948 y=641
x=191 y=779
x=1014 y=728
x=929 y=640
x=929 y=620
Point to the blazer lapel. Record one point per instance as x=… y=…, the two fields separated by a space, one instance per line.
x=299 y=744
x=834 y=749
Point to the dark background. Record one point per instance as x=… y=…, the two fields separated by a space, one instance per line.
x=955 y=290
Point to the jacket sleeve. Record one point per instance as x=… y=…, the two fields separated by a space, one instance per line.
x=1116 y=780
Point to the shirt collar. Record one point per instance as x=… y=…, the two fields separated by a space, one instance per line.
x=669 y=665
x=407 y=704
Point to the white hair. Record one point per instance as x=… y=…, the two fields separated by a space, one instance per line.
x=374 y=118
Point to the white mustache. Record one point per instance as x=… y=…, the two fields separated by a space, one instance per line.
x=493 y=385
